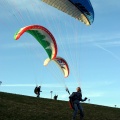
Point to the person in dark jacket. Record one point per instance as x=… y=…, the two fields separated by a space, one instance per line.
x=76 y=97
x=55 y=97
x=37 y=90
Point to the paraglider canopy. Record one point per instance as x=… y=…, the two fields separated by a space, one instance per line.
x=79 y=9
x=63 y=65
x=43 y=36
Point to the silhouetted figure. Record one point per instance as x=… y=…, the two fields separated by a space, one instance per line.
x=37 y=91
x=0 y=82
x=75 y=99
x=55 y=97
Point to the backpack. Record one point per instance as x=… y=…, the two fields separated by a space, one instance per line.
x=71 y=104
x=36 y=90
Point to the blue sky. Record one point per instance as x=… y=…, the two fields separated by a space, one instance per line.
x=92 y=52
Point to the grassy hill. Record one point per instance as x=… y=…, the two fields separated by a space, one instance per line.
x=19 y=107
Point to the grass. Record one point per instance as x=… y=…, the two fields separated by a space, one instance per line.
x=20 y=107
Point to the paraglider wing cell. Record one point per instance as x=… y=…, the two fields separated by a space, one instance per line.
x=43 y=36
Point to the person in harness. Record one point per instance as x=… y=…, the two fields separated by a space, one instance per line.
x=55 y=97
x=37 y=91
x=75 y=99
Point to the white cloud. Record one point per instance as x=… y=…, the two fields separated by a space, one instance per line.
x=63 y=96
x=110 y=43
x=18 y=85
x=94 y=94
x=31 y=85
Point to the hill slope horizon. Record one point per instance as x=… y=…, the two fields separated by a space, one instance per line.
x=21 y=107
